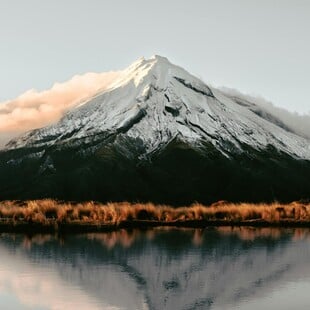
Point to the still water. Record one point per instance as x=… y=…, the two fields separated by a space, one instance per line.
x=224 y=268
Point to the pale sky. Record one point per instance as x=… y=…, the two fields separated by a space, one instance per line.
x=258 y=47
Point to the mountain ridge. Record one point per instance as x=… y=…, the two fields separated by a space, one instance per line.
x=156 y=134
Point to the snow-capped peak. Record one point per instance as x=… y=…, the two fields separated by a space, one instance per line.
x=154 y=102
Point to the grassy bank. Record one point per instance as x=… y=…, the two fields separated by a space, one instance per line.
x=49 y=215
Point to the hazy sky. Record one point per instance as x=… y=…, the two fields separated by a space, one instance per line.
x=259 y=47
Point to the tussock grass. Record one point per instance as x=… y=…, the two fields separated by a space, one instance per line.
x=47 y=211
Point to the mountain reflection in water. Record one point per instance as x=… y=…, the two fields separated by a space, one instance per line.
x=221 y=268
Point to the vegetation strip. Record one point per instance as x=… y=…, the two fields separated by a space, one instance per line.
x=51 y=216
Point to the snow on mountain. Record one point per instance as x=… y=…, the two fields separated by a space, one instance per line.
x=154 y=102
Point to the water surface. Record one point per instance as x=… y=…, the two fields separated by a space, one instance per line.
x=223 y=268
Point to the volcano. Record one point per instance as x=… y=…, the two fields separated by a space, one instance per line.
x=159 y=134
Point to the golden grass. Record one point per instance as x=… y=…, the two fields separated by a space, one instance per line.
x=47 y=210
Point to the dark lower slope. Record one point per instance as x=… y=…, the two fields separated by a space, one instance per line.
x=176 y=175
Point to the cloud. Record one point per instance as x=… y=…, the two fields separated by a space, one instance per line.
x=300 y=124
x=35 y=109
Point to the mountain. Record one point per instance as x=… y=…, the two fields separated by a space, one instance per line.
x=159 y=134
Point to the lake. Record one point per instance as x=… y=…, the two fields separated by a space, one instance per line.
x=218 y=268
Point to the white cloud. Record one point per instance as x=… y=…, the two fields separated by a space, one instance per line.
x=300 y=124
x=35 y=109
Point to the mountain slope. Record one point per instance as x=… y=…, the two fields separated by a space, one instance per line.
x=158 y=133
x=156 y=101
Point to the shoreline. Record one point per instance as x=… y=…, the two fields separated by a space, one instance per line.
x=91 y=227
